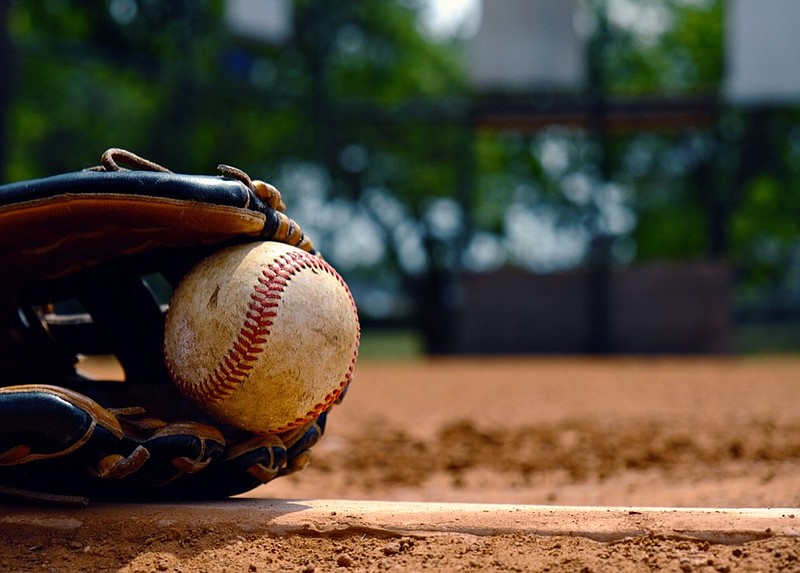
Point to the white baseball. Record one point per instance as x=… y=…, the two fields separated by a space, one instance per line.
x=263 y=336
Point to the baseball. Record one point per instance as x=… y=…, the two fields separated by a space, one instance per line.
x=263 y=336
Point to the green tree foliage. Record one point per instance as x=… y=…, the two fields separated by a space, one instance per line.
x=646 y=188
x=765 y=225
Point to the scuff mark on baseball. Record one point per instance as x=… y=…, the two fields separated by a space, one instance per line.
x=263 y=336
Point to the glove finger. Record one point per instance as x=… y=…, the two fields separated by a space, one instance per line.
x=305 y=437
x=167 y=454
x=245 y=465
x=50 y=436
x=40 y=422
x=299 y=444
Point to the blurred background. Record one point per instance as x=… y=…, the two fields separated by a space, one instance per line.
x=496 y=176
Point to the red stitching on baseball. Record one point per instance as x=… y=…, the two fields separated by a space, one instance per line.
x=232 y=370
x=329 y=400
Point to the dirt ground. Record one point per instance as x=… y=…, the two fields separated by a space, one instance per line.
x=638 y=432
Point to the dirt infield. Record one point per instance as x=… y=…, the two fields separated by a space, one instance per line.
x=639 y=432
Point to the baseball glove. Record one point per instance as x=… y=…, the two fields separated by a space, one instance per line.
x=88 y=261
